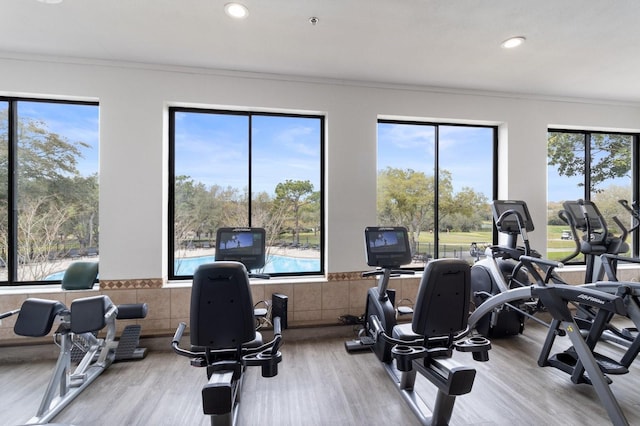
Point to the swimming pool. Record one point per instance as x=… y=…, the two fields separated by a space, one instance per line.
x=274 y=264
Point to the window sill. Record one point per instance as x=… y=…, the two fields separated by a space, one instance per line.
x=258 y=281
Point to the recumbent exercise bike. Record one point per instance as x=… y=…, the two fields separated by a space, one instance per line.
x=223 y=325
x=426 y=344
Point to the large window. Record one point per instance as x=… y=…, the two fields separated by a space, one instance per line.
x=595 y=166
x=231 y=168
x=437 y=180
x=48 y=188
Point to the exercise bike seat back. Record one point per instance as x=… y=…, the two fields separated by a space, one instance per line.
x=222 y=314
x=443 y=298
x=442 y=304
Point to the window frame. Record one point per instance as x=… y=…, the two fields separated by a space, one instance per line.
x=635 y=173
x=436 y=167
x=172 y=110
x=12 y=184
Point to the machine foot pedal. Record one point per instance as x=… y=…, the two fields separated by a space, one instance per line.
x=364 y=343
x=566 y=361
x=128 y=344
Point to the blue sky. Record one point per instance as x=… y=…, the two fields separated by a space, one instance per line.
x=73 y=122
x=213 y=149
x=467 y=152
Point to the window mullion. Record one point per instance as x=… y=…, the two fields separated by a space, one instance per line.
x=12 y=182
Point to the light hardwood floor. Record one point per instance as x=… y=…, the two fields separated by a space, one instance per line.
x=321 y=384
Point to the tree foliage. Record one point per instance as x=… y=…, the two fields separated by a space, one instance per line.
x=293 y=196
x=200 y=210
x=407 y=197
x=57 y=205
x=610 y=156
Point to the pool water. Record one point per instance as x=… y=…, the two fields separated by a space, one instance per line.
x=274 y=264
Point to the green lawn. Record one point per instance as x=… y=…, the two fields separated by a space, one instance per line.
x=557 y=247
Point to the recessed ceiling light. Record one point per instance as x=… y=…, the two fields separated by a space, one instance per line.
x=236 y=10
x=512 y=42
x=50 y=1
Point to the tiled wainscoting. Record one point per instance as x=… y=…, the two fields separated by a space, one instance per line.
x=312 y=302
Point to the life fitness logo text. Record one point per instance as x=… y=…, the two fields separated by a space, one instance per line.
x=591 y=299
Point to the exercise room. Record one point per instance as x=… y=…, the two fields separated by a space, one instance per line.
x=319 y=213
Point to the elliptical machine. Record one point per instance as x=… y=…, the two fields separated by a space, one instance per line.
x=501 y=271
x=602 y=252
x=583 y=216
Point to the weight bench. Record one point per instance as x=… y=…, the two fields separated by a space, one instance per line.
x=77 y=329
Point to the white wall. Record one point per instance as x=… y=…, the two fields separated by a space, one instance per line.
x=133 y=142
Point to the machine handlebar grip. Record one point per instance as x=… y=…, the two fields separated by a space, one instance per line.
x=277 y=326
x=403 y=272
x=382 y=270
x=132 y=311
x=178 y=336
x=261 y=276
x=540 y=261
x=375 y=327
x=8 y=314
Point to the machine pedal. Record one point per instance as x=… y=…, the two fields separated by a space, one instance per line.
x=566 y=361
x=128 y=344
x=361 y=344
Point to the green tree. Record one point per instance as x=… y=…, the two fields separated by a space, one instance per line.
x=201 y=210
x=610 y=156
x=54 y=199
x=608 y=205
x=406 y=197
x=292 y=195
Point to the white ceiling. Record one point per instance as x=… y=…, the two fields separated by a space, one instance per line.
x=574 y=48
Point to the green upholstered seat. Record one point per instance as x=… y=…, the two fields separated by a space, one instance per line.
x=80 y=276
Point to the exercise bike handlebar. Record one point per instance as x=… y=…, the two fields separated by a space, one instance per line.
x=261 y=276
x=541 y=261
x=8 y=314
x=382 y=270
x=377 y=331
x=274 y=344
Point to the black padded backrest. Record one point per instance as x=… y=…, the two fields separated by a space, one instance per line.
x=88 y=313
x=221 y=306
x=80 y=276
x=36 y=317
x=442 y=305
x=577 y=211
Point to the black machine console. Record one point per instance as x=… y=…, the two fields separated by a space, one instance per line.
x=244 y=245
x=387 y=247
x=508 y=223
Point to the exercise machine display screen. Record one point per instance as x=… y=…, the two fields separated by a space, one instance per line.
x=244 y=245
x=387 y=246
x=509 y=223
